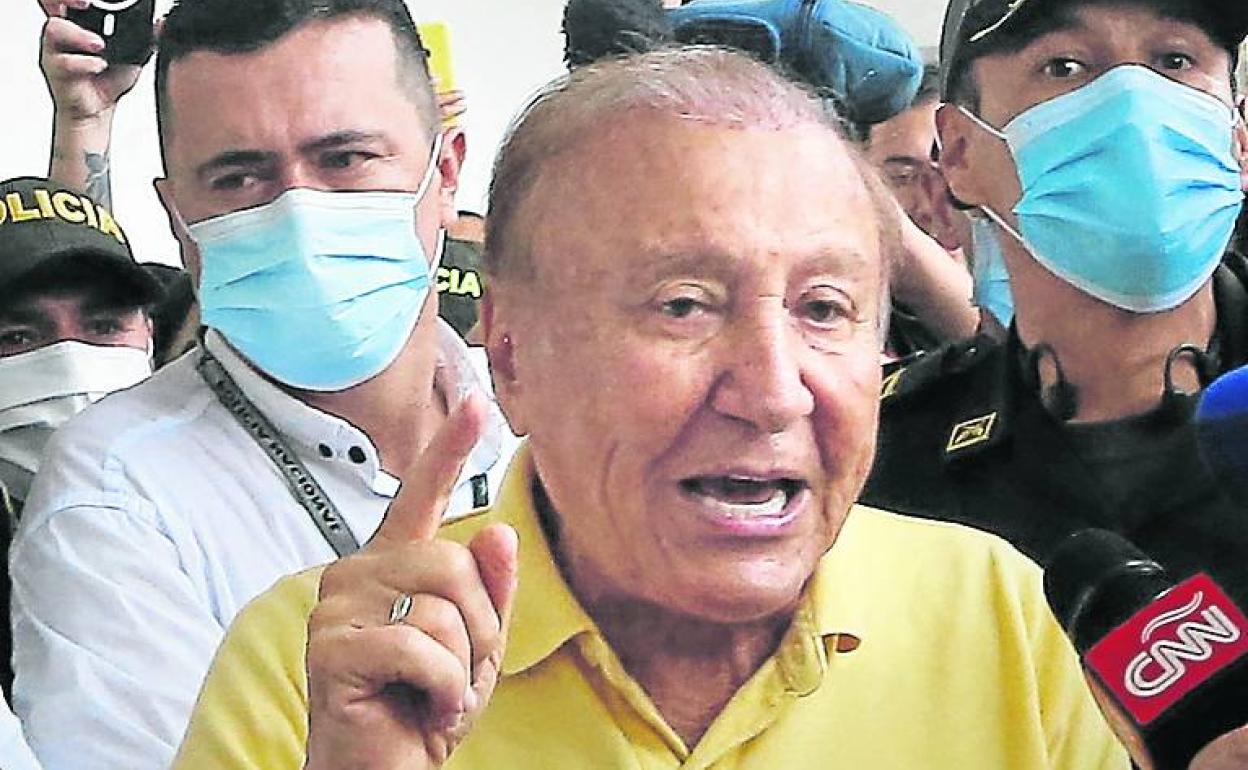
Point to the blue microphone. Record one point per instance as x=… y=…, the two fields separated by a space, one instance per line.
x=1222 y=433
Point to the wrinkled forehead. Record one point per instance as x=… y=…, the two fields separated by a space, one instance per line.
x=656 y=185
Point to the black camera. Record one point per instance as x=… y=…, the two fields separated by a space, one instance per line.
x=125 y=25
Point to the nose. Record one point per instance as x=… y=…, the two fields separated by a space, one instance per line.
x=298 y=175
x=762 y=380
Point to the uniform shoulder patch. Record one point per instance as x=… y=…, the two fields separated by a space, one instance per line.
x=915 y=374
x=971 y=433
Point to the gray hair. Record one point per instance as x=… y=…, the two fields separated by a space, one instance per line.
x=703 y=84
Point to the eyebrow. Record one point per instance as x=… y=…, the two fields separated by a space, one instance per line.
x=341 y=139
x=908 y=160
x=253 y=158
x=235 y=159
x=25 y=314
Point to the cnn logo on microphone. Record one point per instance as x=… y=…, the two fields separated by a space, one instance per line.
x=1170 y=647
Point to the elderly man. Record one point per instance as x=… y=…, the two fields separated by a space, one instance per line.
x=308 y=182
x=693 y=585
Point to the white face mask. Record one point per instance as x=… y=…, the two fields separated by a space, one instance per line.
x=41 y=390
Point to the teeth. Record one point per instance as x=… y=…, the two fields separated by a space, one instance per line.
x=772 y=506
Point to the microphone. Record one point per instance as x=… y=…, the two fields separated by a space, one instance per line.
x=1222 y=433
x=1166 y=661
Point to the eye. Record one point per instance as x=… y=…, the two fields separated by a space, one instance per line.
x=236 y=181
x=345 y=159
x=105 y=326
x=901 y=175
x=17 y=339
x=1175 y=61
x=821 y=311
x=825 y=309
x=682 y=307
x=1064 y=68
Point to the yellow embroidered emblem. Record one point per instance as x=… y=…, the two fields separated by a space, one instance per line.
x=889 y=386
x=972 y=432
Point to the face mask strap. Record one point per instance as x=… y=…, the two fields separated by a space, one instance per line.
x=1004 y=225
x=977 y=120
x=434 y=156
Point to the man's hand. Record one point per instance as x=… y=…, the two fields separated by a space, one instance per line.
x=388 y=695
x=452 y=104
x=934 y=286
x=85 y=90
x=1230 y=752
x=84 y=87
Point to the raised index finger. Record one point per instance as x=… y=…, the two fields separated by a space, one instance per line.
x=429 y=480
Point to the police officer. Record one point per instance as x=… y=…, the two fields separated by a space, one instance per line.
x=73 y=328
x=74 y=324
x=1101 y=141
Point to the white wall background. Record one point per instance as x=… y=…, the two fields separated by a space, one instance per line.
x=504 y=50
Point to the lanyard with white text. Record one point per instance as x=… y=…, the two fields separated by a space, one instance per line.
x=302 y=485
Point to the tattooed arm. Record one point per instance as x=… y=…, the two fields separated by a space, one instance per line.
x=85 y=91
x=80 y=159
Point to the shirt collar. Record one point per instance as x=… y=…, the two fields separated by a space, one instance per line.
x=831 y=618
x=547 y=615
x=312 y=433
x=318 y=434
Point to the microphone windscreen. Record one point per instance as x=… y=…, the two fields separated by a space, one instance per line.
x=1222 y=432
x=1226 y=397
x=1095 y=580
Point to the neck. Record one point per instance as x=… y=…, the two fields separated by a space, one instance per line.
x=665 y=651
x=399 y=410
x=1115 y=359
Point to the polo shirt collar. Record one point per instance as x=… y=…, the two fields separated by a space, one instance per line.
x=546 y=614
x=831 y=618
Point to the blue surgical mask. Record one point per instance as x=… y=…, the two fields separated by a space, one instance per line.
x=992 y=280
x=319 y=290
x=1130 y=187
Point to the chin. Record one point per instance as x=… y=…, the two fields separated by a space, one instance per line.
x=746 y=598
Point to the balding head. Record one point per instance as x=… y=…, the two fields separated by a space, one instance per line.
x=699 y=85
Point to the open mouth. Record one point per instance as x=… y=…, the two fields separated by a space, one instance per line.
x=740 y=497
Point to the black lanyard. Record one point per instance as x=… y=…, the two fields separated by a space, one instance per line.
x=302 y=485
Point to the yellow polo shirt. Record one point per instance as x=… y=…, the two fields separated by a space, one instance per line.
x=958 y=665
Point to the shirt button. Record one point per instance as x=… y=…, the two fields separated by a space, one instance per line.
x=847 y=642
x=326 y=452
x=357 y=455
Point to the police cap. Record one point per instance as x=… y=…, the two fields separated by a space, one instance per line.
x=970 y=25
x=42 y=222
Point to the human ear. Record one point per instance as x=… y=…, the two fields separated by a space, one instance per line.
x=500 y=345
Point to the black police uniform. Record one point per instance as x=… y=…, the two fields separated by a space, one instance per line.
x=966 y=438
